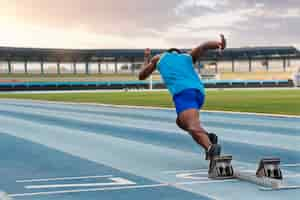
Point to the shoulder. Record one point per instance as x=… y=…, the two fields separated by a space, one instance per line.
x=156 y=58
x=187 y=56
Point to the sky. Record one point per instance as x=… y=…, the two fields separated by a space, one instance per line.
x=90 y=24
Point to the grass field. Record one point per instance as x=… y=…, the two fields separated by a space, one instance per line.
x=258 y=101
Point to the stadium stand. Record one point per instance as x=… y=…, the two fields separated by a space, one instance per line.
x=41 y=57
x=89 y=63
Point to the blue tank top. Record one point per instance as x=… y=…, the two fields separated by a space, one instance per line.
x=178 y=73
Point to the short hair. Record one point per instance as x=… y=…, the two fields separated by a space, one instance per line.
x=174 y=49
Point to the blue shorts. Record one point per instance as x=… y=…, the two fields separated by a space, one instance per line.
x=188 y=99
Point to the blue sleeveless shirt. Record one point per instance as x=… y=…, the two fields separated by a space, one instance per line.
x=178 y=73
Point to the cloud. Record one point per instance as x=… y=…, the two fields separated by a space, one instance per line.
x=95 y=15
x=139 y=23
x=186 y=5
x=35 y=36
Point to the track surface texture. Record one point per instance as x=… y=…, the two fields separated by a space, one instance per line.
x=66 y=151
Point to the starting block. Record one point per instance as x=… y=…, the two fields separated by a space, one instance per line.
x=269 y=167
x=268 y=174
x=221 y=168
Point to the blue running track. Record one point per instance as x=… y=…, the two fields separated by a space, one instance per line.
x=68 y=151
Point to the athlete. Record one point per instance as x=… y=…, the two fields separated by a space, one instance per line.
x=179 y=75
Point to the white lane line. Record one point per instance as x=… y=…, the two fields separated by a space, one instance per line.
x=183 y=171
x=284 y=187
x=116 y=181
x=89 y=190
x=248 y=171
x=190 y=170
x=152 y=108
x=291 y=165
x=205 y=182
x=120 y=188
x=193 y=175
x=292 y=176
x=62 y=179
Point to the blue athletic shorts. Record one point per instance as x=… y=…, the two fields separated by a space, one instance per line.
x=188 y=99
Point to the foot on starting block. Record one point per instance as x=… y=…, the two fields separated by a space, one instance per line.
x=269 y=167
x=220 y=168
x=216 y=149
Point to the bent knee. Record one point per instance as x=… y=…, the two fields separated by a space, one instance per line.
x=180 y=124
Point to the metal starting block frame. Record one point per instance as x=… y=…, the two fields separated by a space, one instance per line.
x=269 y=167
x=221 y=168
x=268 y=174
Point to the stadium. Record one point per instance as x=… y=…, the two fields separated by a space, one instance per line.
x=257 y=66
x=87 y=120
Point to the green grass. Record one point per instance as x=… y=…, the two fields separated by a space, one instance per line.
x=258 y=101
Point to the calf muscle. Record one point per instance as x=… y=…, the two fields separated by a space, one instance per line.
x=189 y=121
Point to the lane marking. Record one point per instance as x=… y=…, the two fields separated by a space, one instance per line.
x=191 y=170
x=116 y=181
x=120 y=188
x=247 y=171
x=62 y=179
x=205 y=182
x=192 y=175
x=291 y=165
x=284 y=187
x=89 y=190
x=183 y=171
x=292 y=176
x=152 y=108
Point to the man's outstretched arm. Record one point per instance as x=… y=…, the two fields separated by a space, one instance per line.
x=199 y=51
x=149 y=65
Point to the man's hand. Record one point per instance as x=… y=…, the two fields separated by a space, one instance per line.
x=223 y=42
x=147 y=56
x=149 y=65
x=199 y=51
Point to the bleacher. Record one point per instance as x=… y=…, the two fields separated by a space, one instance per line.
x=89 y=60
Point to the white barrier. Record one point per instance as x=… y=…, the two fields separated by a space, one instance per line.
x=296 y=78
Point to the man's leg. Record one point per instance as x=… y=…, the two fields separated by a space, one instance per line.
x=189 y=121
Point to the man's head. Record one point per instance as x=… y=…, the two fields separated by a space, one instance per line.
x=174 y=50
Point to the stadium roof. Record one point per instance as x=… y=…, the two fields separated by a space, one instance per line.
x=79 y=55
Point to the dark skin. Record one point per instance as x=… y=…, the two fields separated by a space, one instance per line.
x=188 y=120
